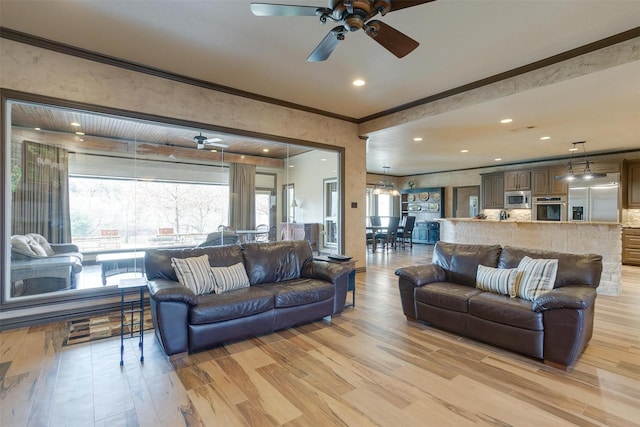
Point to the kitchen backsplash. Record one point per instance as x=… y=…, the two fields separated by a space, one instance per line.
x=514 y=214
x=631 y=217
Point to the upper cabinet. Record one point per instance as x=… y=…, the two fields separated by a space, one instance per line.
x=543 y=181
x=493 y=191
x=632 y=182
x=517 y=180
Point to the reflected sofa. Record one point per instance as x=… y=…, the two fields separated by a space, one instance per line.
x=555 y=326
x=33 y=252
x=286 y=287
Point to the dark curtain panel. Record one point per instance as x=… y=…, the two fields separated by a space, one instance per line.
x=41 y=199
x=242 y=196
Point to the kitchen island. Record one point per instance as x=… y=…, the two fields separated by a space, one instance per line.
x=573 y=237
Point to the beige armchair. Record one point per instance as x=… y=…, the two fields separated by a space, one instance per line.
x=42 y=266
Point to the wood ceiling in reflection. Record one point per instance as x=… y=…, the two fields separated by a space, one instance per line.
x=128 y=136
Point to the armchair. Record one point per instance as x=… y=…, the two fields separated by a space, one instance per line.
x=43 y=266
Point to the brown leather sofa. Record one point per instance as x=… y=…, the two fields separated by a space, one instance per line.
x=287 y=287
x=555 y=327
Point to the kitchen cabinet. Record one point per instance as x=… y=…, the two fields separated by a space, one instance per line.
x=426 y=232
x=492 y=191
x=631 y=246
x=632 y=181
x=543 y=182
x=517 y=180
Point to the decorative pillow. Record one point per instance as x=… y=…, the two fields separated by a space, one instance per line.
x=194 y=273
x=228 y=278
x=36 y=248
x=534 y=277
x=496 y=280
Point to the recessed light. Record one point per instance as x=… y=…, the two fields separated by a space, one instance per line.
x=497 y=159
x=573 y=149
x=37 y=129
x=265 y=150
x=417 y=139
x=290 y=166
x=464 y=151
x=323 y=160
x=544 y=138
x=80 y=139
x=213 y=150
x=79 y=133
x=359 y=82
x=75 y=124
x=505 y=121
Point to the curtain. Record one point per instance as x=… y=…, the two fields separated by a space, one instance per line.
x=41 y=199
x=242 y=196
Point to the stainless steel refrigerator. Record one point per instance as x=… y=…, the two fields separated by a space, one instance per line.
x=595 y=200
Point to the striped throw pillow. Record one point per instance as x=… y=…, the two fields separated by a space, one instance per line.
x=194 y=273
x=534 y=277
x=228 y=278
x=496 y=280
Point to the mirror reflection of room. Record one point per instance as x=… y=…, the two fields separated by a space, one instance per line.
x=90 y=192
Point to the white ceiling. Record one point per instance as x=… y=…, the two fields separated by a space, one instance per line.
x=461 y=41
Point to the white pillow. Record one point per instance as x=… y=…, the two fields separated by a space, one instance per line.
x=534 y=277
x=194 y=273
x=228 y=278
x=496 y=280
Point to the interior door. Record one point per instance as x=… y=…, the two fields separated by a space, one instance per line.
x=466 y=201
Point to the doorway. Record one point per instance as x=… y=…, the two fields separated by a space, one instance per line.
x=466 y=201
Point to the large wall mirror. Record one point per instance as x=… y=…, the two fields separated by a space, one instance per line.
x=86 y=192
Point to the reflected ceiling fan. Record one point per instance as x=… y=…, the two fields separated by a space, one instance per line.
x=201 y=141
x=352 y=15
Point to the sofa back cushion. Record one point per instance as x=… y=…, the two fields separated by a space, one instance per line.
x=573 y=269
x=157 y=262
x=460 y=261
x=269 y=262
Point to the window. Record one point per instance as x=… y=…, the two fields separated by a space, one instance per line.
x=126 y=185
x=331 y=208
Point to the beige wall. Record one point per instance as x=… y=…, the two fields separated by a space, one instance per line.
x=34 y=70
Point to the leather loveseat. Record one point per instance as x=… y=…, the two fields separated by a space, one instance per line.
x=555 y=326
x=287 y=287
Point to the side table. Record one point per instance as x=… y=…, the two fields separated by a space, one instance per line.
x=351 y=286
x=134 y=306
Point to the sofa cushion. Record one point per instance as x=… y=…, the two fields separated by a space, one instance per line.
x=460 y=262
x=234 y=304
x=299 y=292
x=534 y=277
x=573 y=269
x=157 y=262
x=194 y=273
x=450 y=296
x=496 y=280
x=269 y=262
x=515 y=312
x=229 y=278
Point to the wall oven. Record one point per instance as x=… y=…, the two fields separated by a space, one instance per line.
x=549 y=208
x=517 y=200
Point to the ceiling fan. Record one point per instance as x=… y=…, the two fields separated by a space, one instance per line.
x=352 y=15
x=201 y=141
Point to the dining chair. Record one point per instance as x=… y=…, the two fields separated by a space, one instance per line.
x=389 y=238
x=406 y=234
x=262 y=228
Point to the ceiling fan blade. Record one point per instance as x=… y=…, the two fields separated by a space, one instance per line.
x=391 y=39
x=270 y=9
x=403 y=4
x=327 y=45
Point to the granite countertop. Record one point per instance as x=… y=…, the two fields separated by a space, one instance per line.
x=510 y=221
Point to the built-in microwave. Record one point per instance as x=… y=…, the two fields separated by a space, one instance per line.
x=517 y=199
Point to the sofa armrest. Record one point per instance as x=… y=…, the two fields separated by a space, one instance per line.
x=419 y=275
x=322 y=270
x=578 y=297
x=167 y=290
x=61 y=248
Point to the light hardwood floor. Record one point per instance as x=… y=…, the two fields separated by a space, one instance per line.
x=368 y=367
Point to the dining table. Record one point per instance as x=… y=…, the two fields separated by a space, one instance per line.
x=375 y=229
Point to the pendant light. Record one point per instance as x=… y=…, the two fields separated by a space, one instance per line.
x=587 y=173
